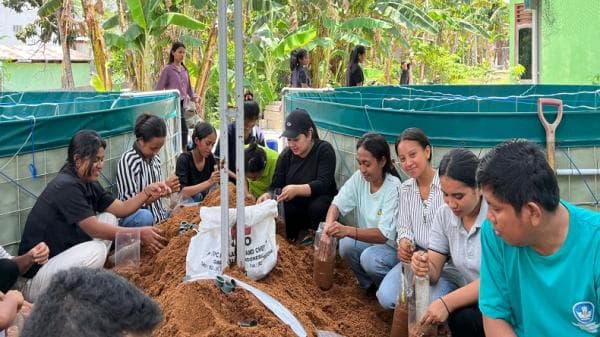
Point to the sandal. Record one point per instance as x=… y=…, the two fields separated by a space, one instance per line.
x=308 y=239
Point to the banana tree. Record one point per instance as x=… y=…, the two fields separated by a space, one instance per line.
x=270 y=59
x=148 y=20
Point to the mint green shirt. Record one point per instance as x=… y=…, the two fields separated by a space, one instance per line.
x=374 y=210
x=259 y=186
x=541 y=296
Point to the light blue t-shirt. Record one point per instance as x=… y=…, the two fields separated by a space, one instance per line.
x=541 y=296
x=374 y=210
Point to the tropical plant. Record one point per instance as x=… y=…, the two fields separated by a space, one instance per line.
x=147 y=21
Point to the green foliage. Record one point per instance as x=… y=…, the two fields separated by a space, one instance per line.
x=447 y=39
x=517 y=72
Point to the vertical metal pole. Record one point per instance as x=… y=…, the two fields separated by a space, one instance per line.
x=239 y=130
x=222 y=36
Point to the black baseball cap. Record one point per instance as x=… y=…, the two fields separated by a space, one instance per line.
x=297 y=122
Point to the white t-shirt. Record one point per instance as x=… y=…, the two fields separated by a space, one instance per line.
x=374 y=210
x=449 y=237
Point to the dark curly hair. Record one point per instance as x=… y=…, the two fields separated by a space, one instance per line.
x=83 y=302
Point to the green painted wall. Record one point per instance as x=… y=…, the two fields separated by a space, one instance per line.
x=41 y=76
x=569 y=41
x=569 y=47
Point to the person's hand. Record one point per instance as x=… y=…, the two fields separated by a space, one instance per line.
x=266 y=196
x=39 y=253
x=288 y=193
x=26 y=309
x=150 y=237
x=420 y=263
x=196 y=99
x=173 y=183
x=436 y=313
x=215 y=177
x=337 y=230
x=16 y=296
x=157 y=190
x=405 y=250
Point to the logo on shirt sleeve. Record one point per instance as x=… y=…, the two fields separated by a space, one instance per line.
x=584 y=313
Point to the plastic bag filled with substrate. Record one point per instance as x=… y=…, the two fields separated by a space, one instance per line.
x=324 y=259
x=204 y=253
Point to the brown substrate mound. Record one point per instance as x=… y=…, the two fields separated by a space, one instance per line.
x=201 y=309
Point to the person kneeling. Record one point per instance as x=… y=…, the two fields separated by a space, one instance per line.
x=372 y=192
x=66 y=218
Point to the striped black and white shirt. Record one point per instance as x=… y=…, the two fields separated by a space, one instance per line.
x=416 y=214
x=134 y=173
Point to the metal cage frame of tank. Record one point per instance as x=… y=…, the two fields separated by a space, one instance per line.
x=37 y=126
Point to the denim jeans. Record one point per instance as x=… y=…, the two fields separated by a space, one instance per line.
x=390 y=287
x=369 y=262
x=142 y=217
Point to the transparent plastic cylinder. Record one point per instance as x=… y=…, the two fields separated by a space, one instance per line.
x=324 y=259
x=400 y=321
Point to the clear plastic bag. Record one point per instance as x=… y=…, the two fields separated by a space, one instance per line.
x=324 y=259
x=280 y=219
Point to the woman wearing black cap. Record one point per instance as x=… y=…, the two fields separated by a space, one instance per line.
x=305 y=173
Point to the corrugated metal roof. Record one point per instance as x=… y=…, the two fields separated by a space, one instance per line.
x=38 y=53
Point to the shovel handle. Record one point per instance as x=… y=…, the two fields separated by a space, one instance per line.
x=552 y=102
x=550 y=127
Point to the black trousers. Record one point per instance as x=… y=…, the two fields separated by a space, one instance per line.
x=466 y=322
x=8 y=274
x=184 y=135
x=184 y=129
x=305 y=213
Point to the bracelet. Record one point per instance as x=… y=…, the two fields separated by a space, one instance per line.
x=444 y=303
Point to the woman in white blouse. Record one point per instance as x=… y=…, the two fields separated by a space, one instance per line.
x=420 y=198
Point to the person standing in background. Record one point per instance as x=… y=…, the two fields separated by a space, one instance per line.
x=354 y=74
x=175 y=76
x=299 y=61
x=405 y=76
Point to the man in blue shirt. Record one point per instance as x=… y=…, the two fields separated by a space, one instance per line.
x=540 y=264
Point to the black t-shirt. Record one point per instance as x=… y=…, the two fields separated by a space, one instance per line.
x=300 y=75
x=256 y=136
x=355 y=75
x=317 y=169
x=55 y=217
x=188 y=173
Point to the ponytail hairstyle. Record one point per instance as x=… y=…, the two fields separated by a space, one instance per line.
x=149 y=126
x=255 y=158
x=460 y=165
x=174 y=47
x=295 y=57
x=417 y=135
x=356 y=52
x=379 y=149
x=85 y=146
x=201 y=131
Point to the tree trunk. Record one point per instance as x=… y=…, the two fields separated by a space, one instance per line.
x=130 y=73
x=206 y=64
x=62 y=17
x=97 y=41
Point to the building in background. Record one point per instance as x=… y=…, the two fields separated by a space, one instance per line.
x=556 y=40
x=34 y=65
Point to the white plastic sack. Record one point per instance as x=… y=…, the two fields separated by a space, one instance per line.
x=204 y=253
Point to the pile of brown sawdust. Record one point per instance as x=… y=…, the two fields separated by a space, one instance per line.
x=201 y=309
